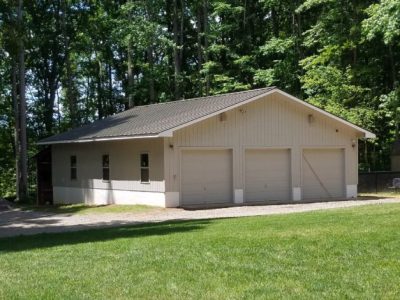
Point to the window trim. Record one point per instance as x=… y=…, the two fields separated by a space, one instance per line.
x=73 y=167
x=102 y=168
x=144 y=168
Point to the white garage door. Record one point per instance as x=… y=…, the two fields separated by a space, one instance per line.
x=323 y=174
x=267 y=175
x=206 y=177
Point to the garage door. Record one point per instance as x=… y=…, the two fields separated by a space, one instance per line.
x=267 y=175
x=206 y=177
x=323 y=174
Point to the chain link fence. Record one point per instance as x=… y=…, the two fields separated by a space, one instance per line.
x=375 y=182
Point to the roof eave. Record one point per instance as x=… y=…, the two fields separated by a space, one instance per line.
x=367 y=134
x=119 y=138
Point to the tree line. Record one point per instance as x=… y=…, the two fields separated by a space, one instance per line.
x=64 y=63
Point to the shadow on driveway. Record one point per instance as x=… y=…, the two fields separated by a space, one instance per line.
x=88 y=234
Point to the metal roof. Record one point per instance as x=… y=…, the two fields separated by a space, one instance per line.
x=151 y=120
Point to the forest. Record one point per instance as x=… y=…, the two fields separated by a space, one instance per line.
x=64 y=63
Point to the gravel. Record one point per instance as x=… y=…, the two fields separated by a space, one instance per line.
x=15 y=222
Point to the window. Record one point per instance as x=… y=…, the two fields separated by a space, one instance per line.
x=144 y=167
x=73 y=172
x=106 y=167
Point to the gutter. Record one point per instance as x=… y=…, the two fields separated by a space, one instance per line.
x=119 y=138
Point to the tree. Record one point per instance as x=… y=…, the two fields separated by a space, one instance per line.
x=20 y=108
x=81 y=60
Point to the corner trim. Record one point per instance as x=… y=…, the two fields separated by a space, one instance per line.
x=296 y=194
x=238 y=196
x=351 y=191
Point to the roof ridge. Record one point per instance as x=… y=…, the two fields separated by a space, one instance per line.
x=203 y=97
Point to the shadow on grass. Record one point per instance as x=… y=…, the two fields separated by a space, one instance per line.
x=60 y=209
x=86 y=235
x=377 y=197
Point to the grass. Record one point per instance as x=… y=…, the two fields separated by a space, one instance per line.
x=344 y=253
x=88 y=209
x=393 y=194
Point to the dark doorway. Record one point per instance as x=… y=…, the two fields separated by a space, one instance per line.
x=44 y=180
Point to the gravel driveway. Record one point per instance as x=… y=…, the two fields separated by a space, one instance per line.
x=17 y=222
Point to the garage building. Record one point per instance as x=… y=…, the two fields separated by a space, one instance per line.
x=257 y=146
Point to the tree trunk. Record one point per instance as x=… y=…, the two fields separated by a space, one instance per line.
x=100 y=107
x=130 y=77
x=150 y=58
x=23 y=184
x=200 y=34
x=88 y=97
x=111 y=106
x=392 y=67
x=205 y=51
x=58 y=111
x=17 y=151
x=178 y=36
x=53 y=86
x=70 y=91
x=48 y=112
x=275 y=23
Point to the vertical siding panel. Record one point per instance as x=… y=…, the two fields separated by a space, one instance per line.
x=268 y=121
x=182 y=137
x=168 y=164
x=206 y=128
x=198 y=137
x=262 y=123
x=285 y=125
x=273 y=121
x=214 y=133
x=279 y=122
x=265 y=121
x=205 y=133
x=186 y=141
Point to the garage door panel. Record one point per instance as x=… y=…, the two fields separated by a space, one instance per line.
x=323 y=173
x=267 y=175
x=206 y=176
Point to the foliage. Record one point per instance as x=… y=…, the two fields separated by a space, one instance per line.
x=383 y=19
x=86 y=60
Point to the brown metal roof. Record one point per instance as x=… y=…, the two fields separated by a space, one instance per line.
x=151 y=120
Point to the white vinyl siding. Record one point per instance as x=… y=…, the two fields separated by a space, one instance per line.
x=125 y=171
x=273 y=121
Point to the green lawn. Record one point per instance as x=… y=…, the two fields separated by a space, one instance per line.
x=346 y=253
x=87 y=209
x=391 y=194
